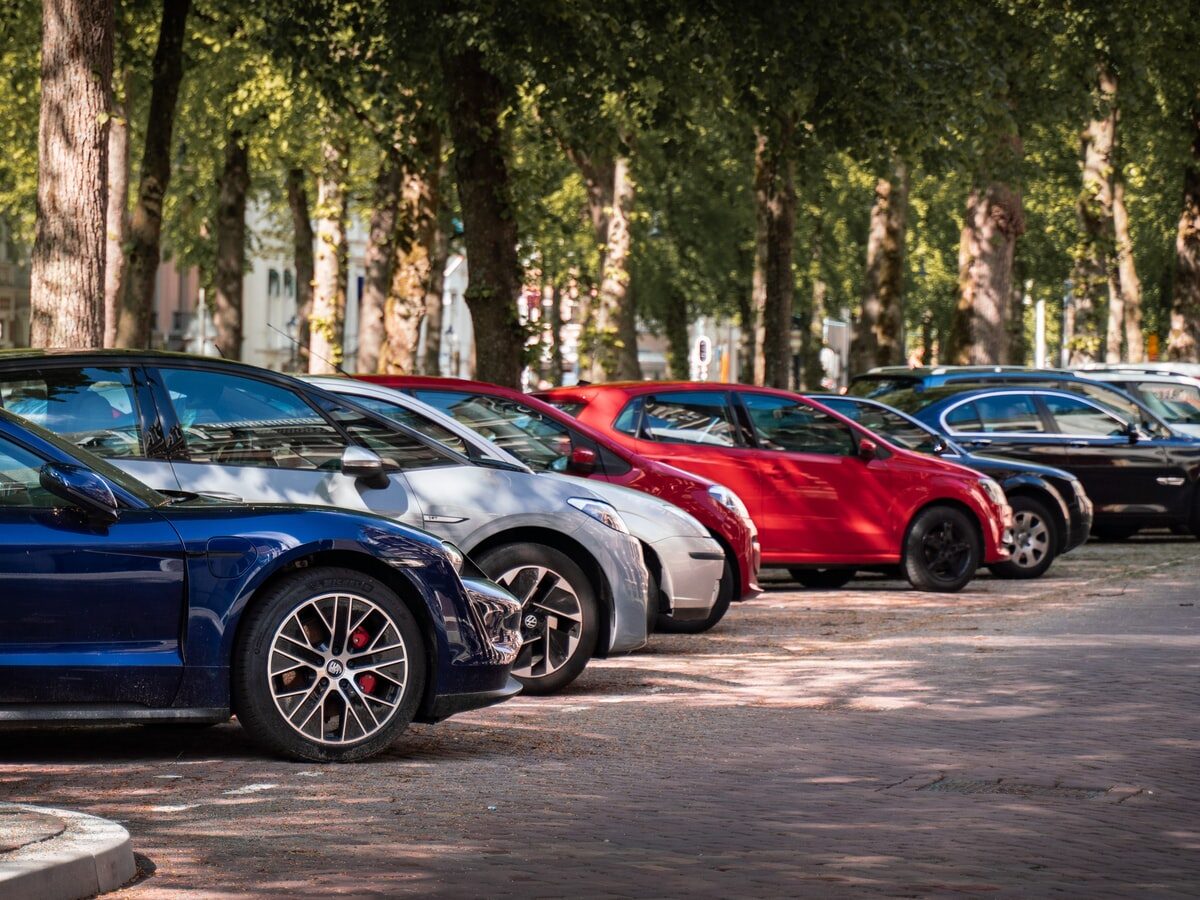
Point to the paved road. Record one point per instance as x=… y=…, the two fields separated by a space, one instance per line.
x=1020 y=737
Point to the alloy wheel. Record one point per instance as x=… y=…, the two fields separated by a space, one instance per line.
x=946 y=551
x=338 y=668
x=1031 y=539
x=551 y=619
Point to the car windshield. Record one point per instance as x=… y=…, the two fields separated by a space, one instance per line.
x=877 y=385
x=126 y=482
x=541 y=443
x=1176 y=404
x=888 y=423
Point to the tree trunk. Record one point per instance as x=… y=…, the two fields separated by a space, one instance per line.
x=477 y=100
x=231 y=246
x=327 y=322
x=555 y=373
x=378 y=261
x=145 y=226
x=774 y=281
x=117 y=228
x=440 y=252
x=598 y=170
x=302 y=255
x=1183 y=344
x=1093 y=274
x=1130 y=284
x=879 y=338
x=979 y=331
x=67 y=276
x=414 y=263
x=613 y=329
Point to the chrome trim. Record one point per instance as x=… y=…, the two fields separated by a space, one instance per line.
x=1028 y=434
x=1171 y=480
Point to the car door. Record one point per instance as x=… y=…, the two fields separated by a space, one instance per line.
x=1121 y=476
x=89 y=613
x=1004 y=423
x=107 y=410
x=246 y=437
x=820 y=501
x=699 y=432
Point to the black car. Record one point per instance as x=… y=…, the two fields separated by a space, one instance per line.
x=1051 y=511
x=1136 y=479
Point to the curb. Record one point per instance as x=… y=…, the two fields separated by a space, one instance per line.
x=89 y=856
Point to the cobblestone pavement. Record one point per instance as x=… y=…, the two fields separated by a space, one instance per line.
x=1020 y=738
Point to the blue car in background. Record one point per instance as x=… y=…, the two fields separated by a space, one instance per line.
x=326 y=632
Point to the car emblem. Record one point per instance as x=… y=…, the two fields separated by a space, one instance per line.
x=531 y=622
x=334 y=668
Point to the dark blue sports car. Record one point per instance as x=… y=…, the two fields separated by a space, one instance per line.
x=325 y=632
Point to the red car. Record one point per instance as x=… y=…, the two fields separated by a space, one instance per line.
x=544 y=437
x=828 y=496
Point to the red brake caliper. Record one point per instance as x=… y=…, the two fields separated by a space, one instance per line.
x=359 y=638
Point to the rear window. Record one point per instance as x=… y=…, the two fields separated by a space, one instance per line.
x=875 y=385
x=570 y=407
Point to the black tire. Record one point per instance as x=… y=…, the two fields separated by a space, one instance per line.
x=279 y=609
x=942 y=550
x=499 y=564
x=1114 y=532
x=1035 y=534
x=725 y=592
x=653 y=604
x=822 y=579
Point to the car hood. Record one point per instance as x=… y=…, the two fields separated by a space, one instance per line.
x=648 y=517
x=1000 y=465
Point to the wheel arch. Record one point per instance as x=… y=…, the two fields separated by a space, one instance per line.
x=953 y=503
x=578 y=553
x=1048 y=496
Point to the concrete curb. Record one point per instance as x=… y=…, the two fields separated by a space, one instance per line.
x=90 y=856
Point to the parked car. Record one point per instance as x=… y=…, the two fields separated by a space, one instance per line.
x=1135 y=479
x=222 y=428
x=1173 y=398
x=685 y=563
x=1051 y=511
x=547 y=438
x=325 y=631
x=828 y=496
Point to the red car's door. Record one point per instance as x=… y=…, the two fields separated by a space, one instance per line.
x=698 y=432
x=820 y=501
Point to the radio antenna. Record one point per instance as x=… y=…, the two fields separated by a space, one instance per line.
x=304 y=349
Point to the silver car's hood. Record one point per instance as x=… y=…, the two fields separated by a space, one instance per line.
x=648 y=517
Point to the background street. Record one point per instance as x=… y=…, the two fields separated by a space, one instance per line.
x=1018 y=737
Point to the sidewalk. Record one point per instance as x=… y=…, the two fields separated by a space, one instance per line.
x=54 y=854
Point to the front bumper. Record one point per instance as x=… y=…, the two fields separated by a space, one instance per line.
x=447 y=705
x=691 y=574
x=998 y=535
x=620 y=559
x=1082 y=514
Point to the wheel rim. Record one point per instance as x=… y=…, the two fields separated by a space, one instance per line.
x=551 y=619
x=946 y=549
x=338 y=668
x=1031 y=539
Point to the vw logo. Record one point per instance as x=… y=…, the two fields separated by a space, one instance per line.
x=334 y=668
x=531 y=622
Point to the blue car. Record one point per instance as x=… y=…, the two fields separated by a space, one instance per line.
x=326 y=632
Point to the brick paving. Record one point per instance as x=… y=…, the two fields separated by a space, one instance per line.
x=1021 y=738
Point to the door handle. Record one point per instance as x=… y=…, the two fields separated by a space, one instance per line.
x=1077 y=443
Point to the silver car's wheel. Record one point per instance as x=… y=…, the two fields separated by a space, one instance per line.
x=338 y=668
x=1031 y=538
x=551 y=619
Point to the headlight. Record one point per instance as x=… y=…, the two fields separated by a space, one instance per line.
x=601 y=512
x=994 y=491
x=454 y=555
x=729 y=500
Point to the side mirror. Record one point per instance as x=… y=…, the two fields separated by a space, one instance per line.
x=359 y=462
x=582 y=461
x=939 y=446
x=867 y=450
x=1132 y=432
x=83 y=488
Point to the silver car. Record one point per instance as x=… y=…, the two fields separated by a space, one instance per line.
x=685 y=562
x=215 y=427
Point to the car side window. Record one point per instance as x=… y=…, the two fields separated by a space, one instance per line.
x=1008 y=414
x=894 y=427
x=413 y=420
x=20 y=480
x=538 y=442
x=963 y=418
x=794 y=427
x=233 y=420
x=93 y=408
x=689 y=417
x=1073 y=416
x=627 y=422
x=398 y=448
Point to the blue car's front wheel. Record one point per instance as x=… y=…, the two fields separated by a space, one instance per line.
x=329 y=666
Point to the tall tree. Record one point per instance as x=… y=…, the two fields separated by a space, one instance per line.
x=327 y=322
x=302 y=250
x=774 y=279
x=879 y=338
x=117 y=228
x=145 y=227
x=1184 y=340
x=67 y=277
x=379 y=260
x=434 y=306
x=231 y=246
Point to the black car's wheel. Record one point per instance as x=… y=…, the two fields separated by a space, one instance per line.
x=559 y=614
x=716 y=614
x=942 y=550
x=1035 y=540
x=822 y=579
x=329 y=666
x=1114 y=532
